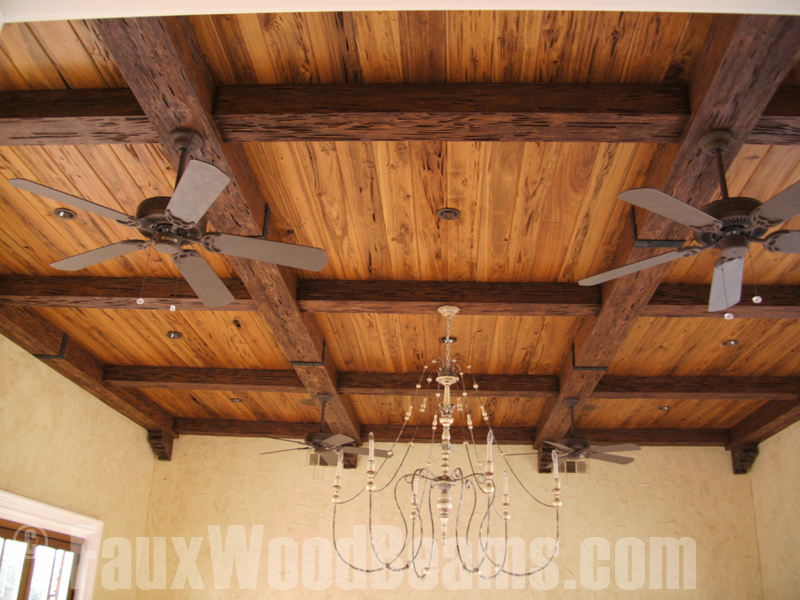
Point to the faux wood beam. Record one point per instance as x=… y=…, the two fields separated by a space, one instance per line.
x=733 y=389
x=73 y=117
x=739 y=71
x=387 y=297
x=505 y=435
x=582 y=112
x=181 y=378
x=765 y=422
x=46 y=342
x=562 y=112
x=116 y=293
x=167 y=73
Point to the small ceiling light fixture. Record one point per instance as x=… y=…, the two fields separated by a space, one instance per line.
x=64 y=213
x=730 y=342
x=174 y=335
x=236 y=400
x=665 y=408
x=449 y=340
x=448 y=214
x=729 y=316
x=757 y=299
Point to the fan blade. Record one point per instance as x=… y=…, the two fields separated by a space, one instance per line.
x=639 y=266
x=616 y=448
x=198 y=188
x=278 y=451
x=202 y=279
x=64 y=198
x=561 y=447
x=523 y=454
x=672 y=208
x=783 y=241
x=365 y=451
x=294 y=442
x=612 y=458
x=338 y=439
x=329 y=457
x=726 y=287
x=289 y=255
x=92 y=257
x=779 y=208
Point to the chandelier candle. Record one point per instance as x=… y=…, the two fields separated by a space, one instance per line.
x=450 y=488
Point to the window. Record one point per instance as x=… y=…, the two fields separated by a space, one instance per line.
x=53 y=556
x=36 y=564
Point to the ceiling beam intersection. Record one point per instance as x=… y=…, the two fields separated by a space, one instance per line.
x=167 y=73
x=739 y=71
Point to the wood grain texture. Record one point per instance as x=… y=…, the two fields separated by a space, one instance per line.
x=780 y=121
x=177 y=378
x=39 y=337
x=745 y=53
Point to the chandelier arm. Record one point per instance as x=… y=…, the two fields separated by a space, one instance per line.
x=501 y=567
x=388 y=564
x=339 y=554
x=522 y=485
x=484 y=548
x=549 y=560
x=362 y=490
x=465 y=483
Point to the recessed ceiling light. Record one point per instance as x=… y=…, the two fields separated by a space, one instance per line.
x=665 y=408
x=236 y=400
x=453 y=340
x=448 y=214
x=728 y=316
x=174 y=335
x=64 y=213
x=730 y=342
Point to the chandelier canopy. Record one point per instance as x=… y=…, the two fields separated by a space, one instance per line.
x=443 y=493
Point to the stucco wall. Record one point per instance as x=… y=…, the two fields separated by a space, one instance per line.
x=61 y=446
x=776 y=494
x=667 y=492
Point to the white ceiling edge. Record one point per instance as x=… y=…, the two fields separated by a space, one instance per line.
x=15 y=11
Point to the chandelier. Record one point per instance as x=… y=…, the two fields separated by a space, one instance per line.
x=457 y=499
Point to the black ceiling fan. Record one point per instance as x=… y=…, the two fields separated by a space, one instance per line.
x=168 y=224
x=728 y=225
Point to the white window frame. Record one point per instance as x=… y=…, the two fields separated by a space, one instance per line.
x=43 y=516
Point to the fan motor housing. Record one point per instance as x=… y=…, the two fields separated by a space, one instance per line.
x=735 y=216
x=153 y=221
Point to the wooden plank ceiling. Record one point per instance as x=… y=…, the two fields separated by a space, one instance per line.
x=536 y=212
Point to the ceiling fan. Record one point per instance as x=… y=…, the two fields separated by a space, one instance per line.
x=170 y=223
x=328 y=445
x=728 y=225
x=576 y=448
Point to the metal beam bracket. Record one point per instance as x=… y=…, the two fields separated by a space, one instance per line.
x=311 y=364
x=577 y=368
x=61 y=353
x=637 y=243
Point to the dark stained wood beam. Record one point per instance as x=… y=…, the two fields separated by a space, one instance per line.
x=504 y=435
x=116 y=293
x=167 y=73
x=181 y=378
x=776 y=389
x=388 y=297
x=765 y=422
x=563 y=112
x=45 y=341
x=780 y=121
x=582 y=112
x=743 y=457
x=73 y=117
x=739 y=70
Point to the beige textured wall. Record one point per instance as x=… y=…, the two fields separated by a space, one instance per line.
x=666 y=492
x=62 y=446
x=776 y=494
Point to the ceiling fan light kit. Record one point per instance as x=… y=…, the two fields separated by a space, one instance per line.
x=170 y=224
x=728 y=225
